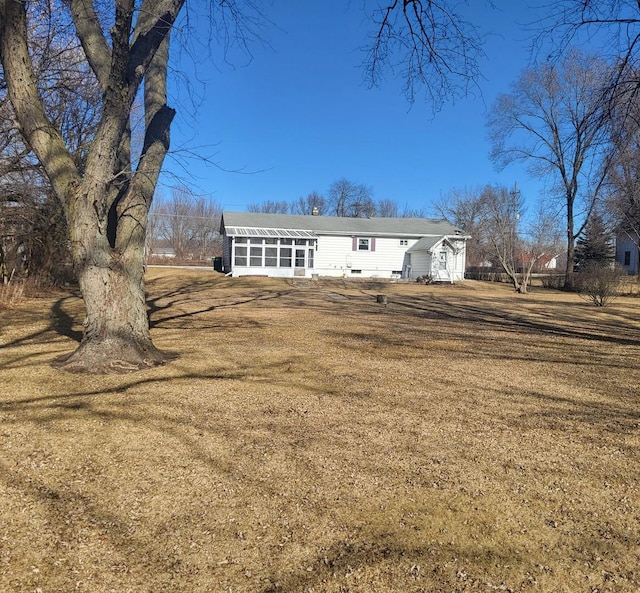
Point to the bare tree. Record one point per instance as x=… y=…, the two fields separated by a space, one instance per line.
x=610 y=24
x=429 y=44
x=518 y=244
x=350 y=199
x=33 y=229
x=613 y=26
x=465 y=209
x=502 y=212
x=270 y=207
x=106 y=198
x=105 y=201
x=501 y=234
x=388 y=208
x=553 y=120
x=313 y=203
x=186 y=223
x=410 y=212
x=176 y=227
x=623 y=182
x=206 y=214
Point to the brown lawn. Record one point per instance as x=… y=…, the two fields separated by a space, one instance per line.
x=308 y=439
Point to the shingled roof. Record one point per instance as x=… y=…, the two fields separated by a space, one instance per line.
x=257 y=224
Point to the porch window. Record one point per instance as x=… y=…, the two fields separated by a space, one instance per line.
x=285 y=257
x=241 y=256
x=271 y=257
x=255 y=256
x=300 y=258
x=310 y=258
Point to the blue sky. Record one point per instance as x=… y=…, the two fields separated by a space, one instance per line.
x=299 y=116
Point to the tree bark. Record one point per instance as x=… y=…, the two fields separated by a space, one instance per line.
x=116 y=335
x=106 y=203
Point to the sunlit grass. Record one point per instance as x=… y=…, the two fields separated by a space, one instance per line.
x=307 y=438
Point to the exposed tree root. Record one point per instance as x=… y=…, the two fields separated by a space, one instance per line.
x=112 y=356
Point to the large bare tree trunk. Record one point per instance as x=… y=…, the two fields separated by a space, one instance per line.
x=116 y=334
x=106 y=202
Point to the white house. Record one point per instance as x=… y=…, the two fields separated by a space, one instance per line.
x=282 y=245
x=627 y=252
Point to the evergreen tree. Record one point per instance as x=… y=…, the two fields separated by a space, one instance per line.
x=595 y=246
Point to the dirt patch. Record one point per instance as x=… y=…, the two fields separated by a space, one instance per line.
x=460 y=438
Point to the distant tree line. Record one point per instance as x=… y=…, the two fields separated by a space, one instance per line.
x=184 y=227
x=344 y=198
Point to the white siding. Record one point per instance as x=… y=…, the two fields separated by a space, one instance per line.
x=623 y=245
x=335 y=257
x=427 y=263
x=420 y=264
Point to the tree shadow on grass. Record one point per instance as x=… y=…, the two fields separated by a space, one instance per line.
x=561 y=321
x=63 y=322
x=224 y=451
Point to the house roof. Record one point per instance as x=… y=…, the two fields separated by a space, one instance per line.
x=425 y=244
x=258 y=224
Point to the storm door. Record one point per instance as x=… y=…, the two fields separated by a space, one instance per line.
x=300 y=256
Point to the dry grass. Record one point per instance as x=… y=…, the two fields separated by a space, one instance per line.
x=309 y=439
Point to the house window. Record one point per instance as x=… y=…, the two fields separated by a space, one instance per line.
x=255 y=256
x=363 y=244
x=271 y=257
x=404 y=242
x=241 y=256
x=356 y=271
x=285 y=257
x=627 y=258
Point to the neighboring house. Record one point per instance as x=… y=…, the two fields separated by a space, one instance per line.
x=168 y=252
x=627 y=252
x=548 y=262
x=282 y=245
x=543 y=263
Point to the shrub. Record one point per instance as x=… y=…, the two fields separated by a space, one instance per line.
x=553 y=280
x=598 y=282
